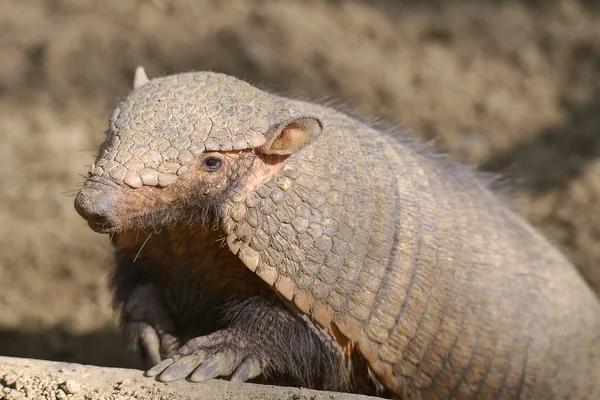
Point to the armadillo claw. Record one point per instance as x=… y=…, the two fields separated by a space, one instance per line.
x=160 y=367
x=248 y=369
x=220 y=364
x=149 y=343
x=180 y=368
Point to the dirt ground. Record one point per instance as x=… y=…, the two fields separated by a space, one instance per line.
x=511 y=86
x=23 y=379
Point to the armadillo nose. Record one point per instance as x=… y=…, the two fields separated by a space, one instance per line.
x=97 y=206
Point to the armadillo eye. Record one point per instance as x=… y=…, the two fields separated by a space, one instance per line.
x=211 y=164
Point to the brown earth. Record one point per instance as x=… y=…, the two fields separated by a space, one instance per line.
x=512 y=86
x=22 y=379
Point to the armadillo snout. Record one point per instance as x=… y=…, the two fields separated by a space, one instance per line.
x=96 y=203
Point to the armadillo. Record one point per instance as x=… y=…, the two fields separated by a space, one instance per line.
x=264 y=238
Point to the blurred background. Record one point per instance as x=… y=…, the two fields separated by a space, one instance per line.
x=510 y=86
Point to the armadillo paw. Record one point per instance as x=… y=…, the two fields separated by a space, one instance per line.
x=208 y=357
x=153 y=344
x=147 y=325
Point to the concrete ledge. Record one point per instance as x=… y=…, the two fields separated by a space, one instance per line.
x=22 y=378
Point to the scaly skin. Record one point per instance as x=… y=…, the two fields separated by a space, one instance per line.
x=397 y=253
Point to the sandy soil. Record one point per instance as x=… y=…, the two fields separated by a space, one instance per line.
x=22 y=379
x=511 y=86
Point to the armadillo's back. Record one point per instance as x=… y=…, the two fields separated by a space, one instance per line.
x=485 y=306
x=448 y=293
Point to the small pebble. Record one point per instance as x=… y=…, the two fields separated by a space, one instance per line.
x=60 y=395
x=71 y=387
x=9 y=379
x=14 y=395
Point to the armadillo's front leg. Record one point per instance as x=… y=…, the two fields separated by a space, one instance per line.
x=148 y=325
x=262 y=337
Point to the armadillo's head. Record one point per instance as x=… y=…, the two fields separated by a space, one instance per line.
x=179 y=147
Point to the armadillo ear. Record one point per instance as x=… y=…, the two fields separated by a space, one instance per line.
x=291 y=135
x=140 y=78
